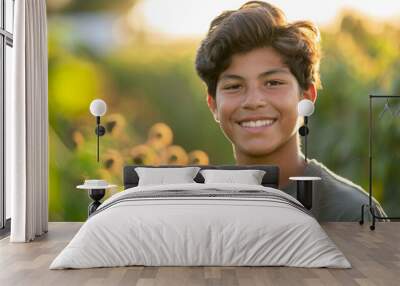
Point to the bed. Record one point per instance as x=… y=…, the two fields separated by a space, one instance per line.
x=201 y=223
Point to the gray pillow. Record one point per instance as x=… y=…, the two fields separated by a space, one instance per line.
x=162 y=176
x=248 y=177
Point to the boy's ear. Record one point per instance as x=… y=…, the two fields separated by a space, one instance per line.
x=212 y=105
x=311 y=93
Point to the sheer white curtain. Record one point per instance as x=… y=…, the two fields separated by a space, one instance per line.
x=27 y=124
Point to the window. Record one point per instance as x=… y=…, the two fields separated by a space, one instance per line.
x=6 y=61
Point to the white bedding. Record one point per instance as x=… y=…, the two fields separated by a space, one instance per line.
x=183 y=231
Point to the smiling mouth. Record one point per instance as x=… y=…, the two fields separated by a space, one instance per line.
x=257 y=125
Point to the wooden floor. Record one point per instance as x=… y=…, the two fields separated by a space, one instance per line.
x=374 y=255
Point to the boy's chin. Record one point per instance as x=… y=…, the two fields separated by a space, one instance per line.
x=256 y=151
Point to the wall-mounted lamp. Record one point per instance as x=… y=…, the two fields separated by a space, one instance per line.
x=305 y=108
x=98 y=108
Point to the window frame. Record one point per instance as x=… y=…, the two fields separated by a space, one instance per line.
x=6 y=39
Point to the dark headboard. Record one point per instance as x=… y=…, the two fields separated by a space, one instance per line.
x=270 y=179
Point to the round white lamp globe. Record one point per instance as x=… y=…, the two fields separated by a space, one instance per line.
x=305 y=107
x=98 y=107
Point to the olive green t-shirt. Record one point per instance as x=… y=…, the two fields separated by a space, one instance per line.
x=334 y=198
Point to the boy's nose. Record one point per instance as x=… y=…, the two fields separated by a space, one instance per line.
x=254 y=99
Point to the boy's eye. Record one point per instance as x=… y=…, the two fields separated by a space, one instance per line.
x=271 y=83
x=232 y=87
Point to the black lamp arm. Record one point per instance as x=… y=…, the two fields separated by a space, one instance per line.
x=305 y=138
x=304 y=132
x=100 y=131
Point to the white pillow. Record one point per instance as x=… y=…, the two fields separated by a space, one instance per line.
x=249 y=177
x=162 y=176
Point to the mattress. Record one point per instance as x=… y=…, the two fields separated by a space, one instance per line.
x=201 y=225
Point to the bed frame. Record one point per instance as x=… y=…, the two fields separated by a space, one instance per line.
x=270 y=179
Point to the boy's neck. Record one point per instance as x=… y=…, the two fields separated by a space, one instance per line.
x=288 y=157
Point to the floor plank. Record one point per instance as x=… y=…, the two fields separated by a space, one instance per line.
x=374 y=255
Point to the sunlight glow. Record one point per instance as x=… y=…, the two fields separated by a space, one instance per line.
x=191 y=18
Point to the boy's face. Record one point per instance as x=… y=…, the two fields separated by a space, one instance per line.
x=256 y=102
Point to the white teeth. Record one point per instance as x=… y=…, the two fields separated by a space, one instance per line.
x=257 y=123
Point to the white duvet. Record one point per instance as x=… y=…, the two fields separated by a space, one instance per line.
x=183 y=231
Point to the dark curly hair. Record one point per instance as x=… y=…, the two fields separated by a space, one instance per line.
x=254 y=25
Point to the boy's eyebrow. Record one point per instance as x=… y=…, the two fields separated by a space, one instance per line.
x=266 y=73
x=274 y=71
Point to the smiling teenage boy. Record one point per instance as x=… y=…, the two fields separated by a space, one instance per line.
x=257 y=67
